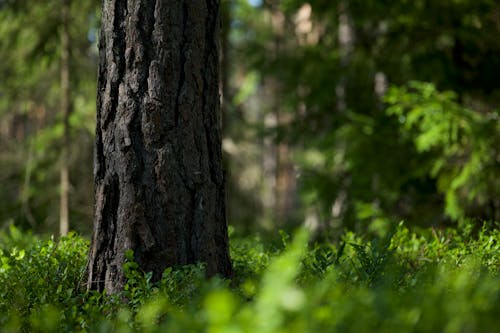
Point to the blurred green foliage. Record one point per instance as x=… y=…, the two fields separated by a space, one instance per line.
x=429 y=281
x=426 y=152
x=31 y=126
x=460 y=144
x=341 y=113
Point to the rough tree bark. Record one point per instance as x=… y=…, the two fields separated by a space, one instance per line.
x=159 y=183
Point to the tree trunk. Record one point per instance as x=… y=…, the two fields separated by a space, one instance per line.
x=159 y=183
x=65 y=109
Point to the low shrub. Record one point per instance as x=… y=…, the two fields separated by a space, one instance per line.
x=426 y=281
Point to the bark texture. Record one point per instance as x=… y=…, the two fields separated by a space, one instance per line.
x=159 y=183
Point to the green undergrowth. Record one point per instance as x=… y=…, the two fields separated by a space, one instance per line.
x=426 y=281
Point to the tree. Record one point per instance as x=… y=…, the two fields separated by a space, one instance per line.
x=159 y=183
x=65 y=110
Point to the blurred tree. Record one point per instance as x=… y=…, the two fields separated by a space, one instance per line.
x=33 y=38
x=65 y=110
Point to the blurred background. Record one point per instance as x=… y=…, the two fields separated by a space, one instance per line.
x=337 y=114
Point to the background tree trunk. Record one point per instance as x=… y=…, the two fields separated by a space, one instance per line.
x=65 y=109
x=159 y=183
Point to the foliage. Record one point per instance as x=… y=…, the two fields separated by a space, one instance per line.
x=462 y=144
x=30 y=122
x=38 y=278
x=327 y=64
x=305 y=119
x=431 y=280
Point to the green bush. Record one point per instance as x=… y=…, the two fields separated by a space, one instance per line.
x=426 y=281
x=460 y=144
